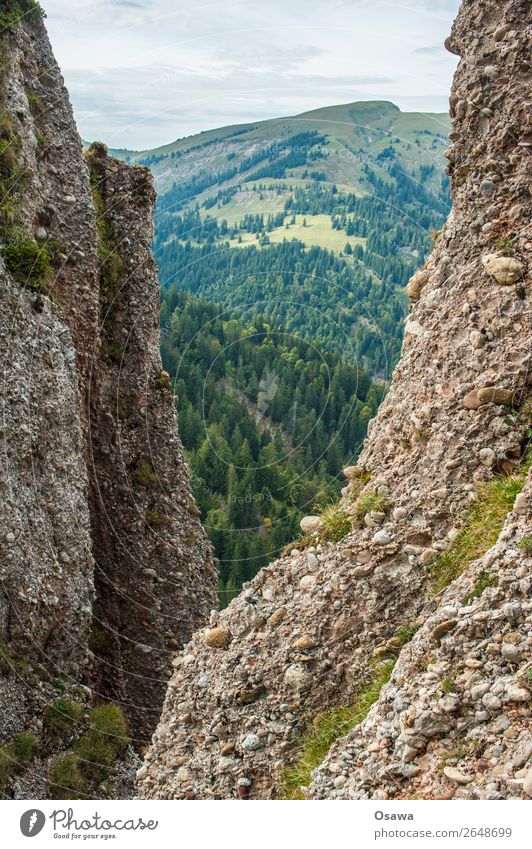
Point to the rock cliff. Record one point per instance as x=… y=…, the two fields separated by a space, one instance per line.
x=105 y=570
x=308 y=633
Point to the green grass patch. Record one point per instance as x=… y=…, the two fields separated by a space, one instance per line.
x=505 y=245
x=328 y=727
x=370 y=501
x=15 y=755
x=526 y=545
x=35 y=102
x=480 y=529
x=62 y=715
x=405 y=633
x=336 y=524
x=93 y=755
x=67 y=780
x=484 y=580
x=10 y=664
x=26 y=261
x=448 y=685
x=105 y=741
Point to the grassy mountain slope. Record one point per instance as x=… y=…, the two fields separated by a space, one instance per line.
x=356 y=133
x=321 y=217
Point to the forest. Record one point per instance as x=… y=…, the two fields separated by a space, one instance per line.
x=267 y=421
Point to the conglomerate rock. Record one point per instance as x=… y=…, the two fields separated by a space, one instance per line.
x=301 y=635
x=104 y=567
x=454 y=721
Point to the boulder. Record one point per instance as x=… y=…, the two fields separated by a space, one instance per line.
x=297 y=678
x=455 y=775
x=417 y=283
x=496 y=395
x=471 y=401
x=504 y=269
x=311 y=524
x=217 y=638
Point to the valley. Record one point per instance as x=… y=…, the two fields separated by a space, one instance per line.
x=306 y=230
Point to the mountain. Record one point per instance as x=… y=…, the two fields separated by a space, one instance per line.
x=306 y=229
x=346 y=137
x=393 y=663
x=321 y=218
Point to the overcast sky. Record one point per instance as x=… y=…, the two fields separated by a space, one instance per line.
x=142 y=73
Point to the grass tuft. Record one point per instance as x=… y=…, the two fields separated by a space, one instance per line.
x=67 y=781
x=526 y=545
x=484 y=580
x=336 y=524
x=369 y=502
x=62 y=715
x=480 y=529
x=328 y=727
x=14 y=755
x=105 y=741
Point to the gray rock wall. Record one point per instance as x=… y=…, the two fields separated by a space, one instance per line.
x=105 y=570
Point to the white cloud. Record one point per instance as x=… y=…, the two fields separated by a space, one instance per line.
x=144 y=72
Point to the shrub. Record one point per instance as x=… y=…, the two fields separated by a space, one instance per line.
x=61 y=715
x=15 y=11
x=26 y=261
x=480 y=529
x=328 y=727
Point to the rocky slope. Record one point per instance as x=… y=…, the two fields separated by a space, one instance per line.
x=304 y=634
x=104 y=567
x=454 y=721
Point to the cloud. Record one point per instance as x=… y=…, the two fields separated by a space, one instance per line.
x=143 y=72
x=433 y=50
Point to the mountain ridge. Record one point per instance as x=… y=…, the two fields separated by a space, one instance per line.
x=379 y=107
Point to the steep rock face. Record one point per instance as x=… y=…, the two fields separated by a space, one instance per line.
x=48 y=345
x=454 y=721
x=100 y=543
x=301 y=636
x=154 y=573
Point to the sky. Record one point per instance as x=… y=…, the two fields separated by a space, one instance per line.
x=142 y=73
